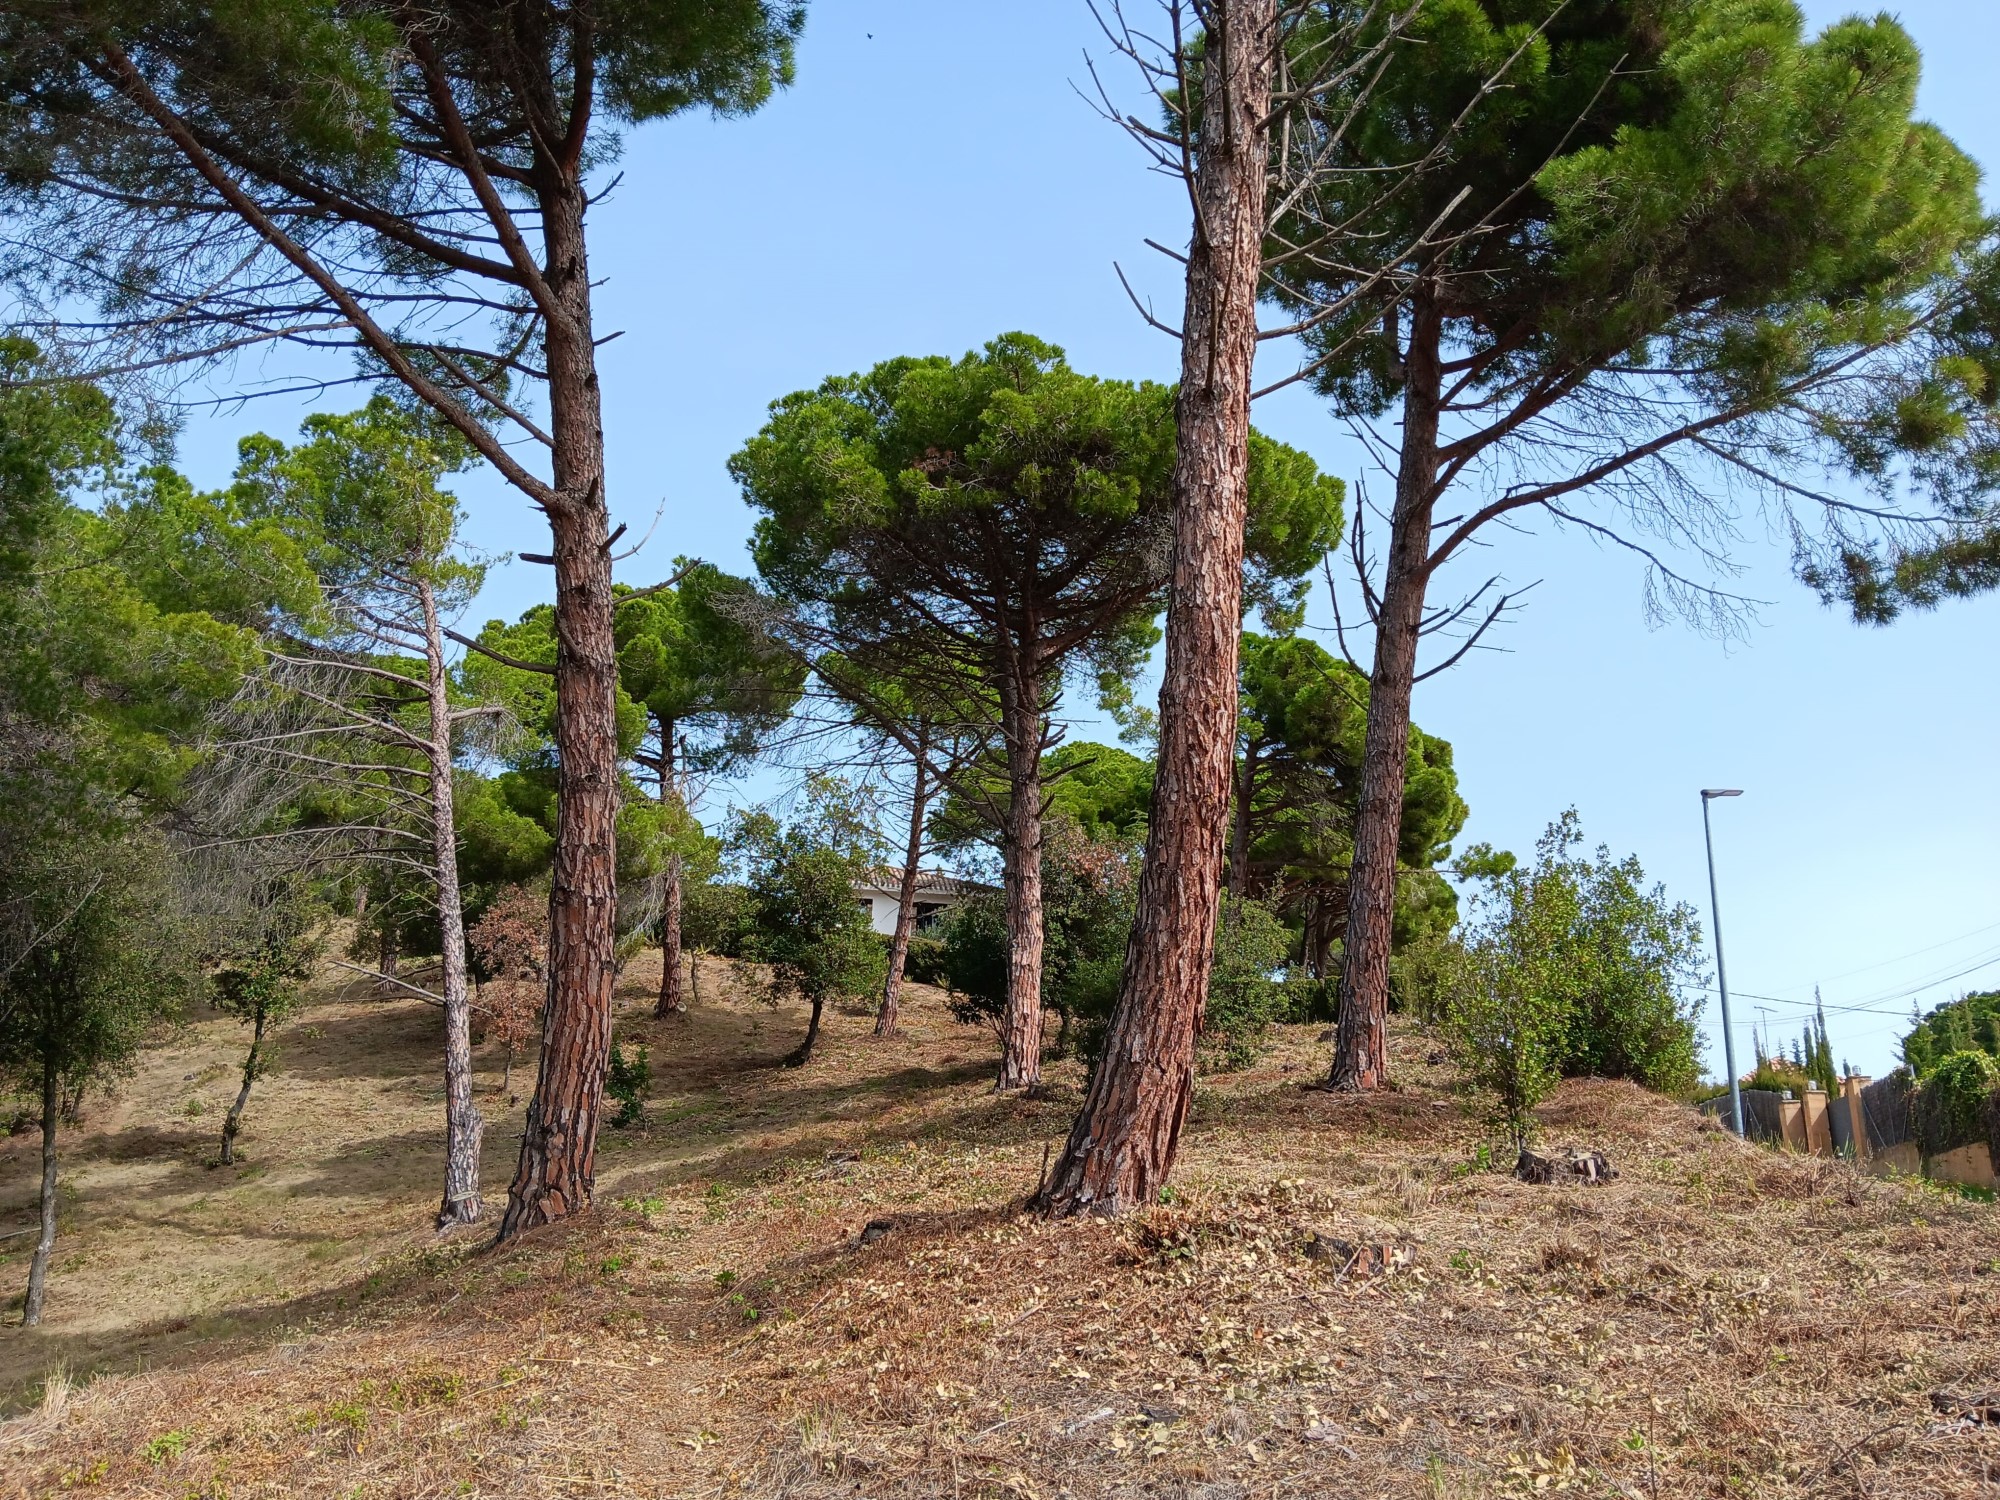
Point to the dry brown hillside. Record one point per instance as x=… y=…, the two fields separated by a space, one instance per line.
x=1720 y=1321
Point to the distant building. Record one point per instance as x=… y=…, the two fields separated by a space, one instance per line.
x=937 y=893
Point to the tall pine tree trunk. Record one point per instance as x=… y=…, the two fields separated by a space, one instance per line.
x=1021 y=862
x=559 y=1146
x=1239 y=838
x=670 y=1001
x=1361 y=1052
x=463 y=1124
x=906 y=899
x=1122 y=1145
x=38 y=1267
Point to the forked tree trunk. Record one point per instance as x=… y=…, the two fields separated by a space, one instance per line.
x=670 y=1001
x=463 y=1124
x=559 y=1145
x=1021 y=863
x=906 y=901
x=232 y=1123
x=1122 y=1146
x=38 y=1267
x=1361 y=1052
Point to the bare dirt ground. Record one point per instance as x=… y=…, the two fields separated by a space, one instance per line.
x=1722 y=1320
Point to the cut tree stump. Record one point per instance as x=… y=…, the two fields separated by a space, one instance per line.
x=1589 y=1167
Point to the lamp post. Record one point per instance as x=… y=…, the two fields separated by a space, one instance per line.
x=1708 y=795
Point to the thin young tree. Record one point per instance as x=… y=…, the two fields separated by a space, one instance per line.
x=714 y=691
x=263 y=981
x=408 y=183
x=358 y=705
x=939 y=730
x=1692 y=263
x=1003 y=521
x=95 y=958
x=803 y=921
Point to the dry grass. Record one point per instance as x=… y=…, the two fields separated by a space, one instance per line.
x=1719 y=1321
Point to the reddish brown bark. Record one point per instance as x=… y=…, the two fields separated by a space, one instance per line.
x=1123 y=1143
x=559 y=1146
x=671 y=1001
x=906 y=901
x=1361 y=1052
x=1021 y=861
x=1239 y=839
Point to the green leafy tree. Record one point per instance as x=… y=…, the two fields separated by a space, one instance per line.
x=804 y=921
x=714 y=690
x=1684 y=257
x=116 y=645
x=98 y=955
x=1104 y=790
x=261 y=985
x=358 y=709
x=1970 y=1023
x=411 y=179
x=1571 y=966
x=1008 y=520
x=1252 y=945
x=1300 y=749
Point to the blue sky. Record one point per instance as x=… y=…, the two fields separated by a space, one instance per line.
x=936 y=178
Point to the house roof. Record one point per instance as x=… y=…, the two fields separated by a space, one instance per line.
x=888 y=880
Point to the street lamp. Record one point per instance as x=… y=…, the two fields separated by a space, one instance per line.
x=1708 y=795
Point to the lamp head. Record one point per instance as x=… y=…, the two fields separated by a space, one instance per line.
x=1708 y=792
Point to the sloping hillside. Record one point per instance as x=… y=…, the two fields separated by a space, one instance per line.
x=1721 y=1320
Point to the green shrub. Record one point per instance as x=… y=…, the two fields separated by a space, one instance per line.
x=972 y=958
x=715 y=918
x=923 y=963
x=1243 y=995
x=1953 y=1101
x=1302 y=1000
x=1777 y=1075
x=1088 y=888
x=1506 y=1024
x=629 y=1081
x=1608 y=966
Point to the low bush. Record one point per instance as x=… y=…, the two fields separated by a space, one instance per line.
x=1571 y=967
x=628 y=1081
x=716 y=917
x=1244 y=997
x=923 y=963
